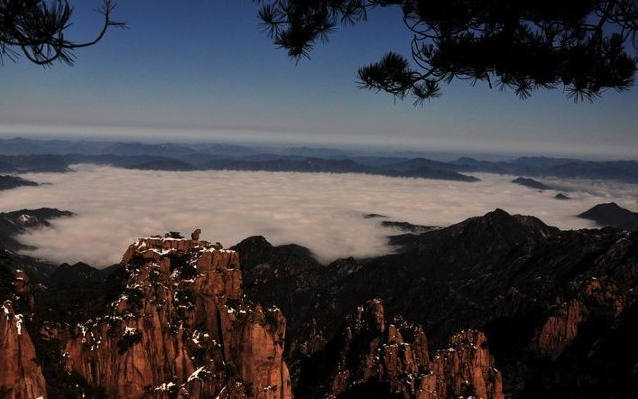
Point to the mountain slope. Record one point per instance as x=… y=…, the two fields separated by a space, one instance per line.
x=611 y=214
x=372 y=357
x=17 y=222
x=558 y=309
x=542 y=295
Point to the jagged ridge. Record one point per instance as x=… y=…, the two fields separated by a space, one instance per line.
x=180 y=328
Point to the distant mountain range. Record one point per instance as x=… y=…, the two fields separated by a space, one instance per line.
x=496 y=306
x=9 y=182
x=34 y=163
x=26 y=155
x=17 y=222
x=531 y=183
x=626 y=171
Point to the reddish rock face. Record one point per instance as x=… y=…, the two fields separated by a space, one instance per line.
x=374 y=350
x=561 y=327
x=465 y=369
x=180 y=328
x=20 y=375
x=22 y=290
x=559 y=330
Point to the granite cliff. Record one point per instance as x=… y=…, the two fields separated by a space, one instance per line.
x=180 y=327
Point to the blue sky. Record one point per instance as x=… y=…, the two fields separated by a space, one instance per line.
x=202 y=69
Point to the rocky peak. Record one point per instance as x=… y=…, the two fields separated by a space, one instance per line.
x=612 y=214
x=78 y=273
x=17 y=222
x=495 y=230
x=372 y=354
x=22 y=289
x=34 y=217
x=179 y=328
x=507 y=227
x=465 y=369
x=21 y=376
x=253 y=249
x=370 y=316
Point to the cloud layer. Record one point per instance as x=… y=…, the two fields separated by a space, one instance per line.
x=321 y=211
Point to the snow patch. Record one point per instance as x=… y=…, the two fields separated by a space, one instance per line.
x=130 y=331
x=195 y=374
x=19 y=320
x=165 y=386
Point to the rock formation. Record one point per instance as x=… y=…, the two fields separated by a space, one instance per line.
x=180 y=328
x=19 y=222
x=555 y=305
x=394 y=356
x=561 y=329
x=20 y=375
x=464 y=369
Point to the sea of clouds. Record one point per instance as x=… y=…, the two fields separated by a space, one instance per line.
x=322 y=211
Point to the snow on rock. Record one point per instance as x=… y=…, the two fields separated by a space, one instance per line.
x=181 y=313
x=195 y=374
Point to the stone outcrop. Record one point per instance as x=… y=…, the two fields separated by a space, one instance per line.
x=20 y=375
x=560 y=329
x=464 y=369
x=23 y=294
x=371 y=350
x=180 y=328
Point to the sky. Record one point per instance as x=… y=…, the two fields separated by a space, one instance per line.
x=203 y=70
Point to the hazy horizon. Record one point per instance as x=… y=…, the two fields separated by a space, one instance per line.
x=144 y=135
x=221 y=78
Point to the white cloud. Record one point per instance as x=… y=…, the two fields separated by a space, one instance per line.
x=321 y=211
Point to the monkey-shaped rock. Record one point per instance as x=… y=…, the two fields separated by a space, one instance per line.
x=195 y=234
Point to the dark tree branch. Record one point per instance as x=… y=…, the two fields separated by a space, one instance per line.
x=587 y=47
x=37 y=28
